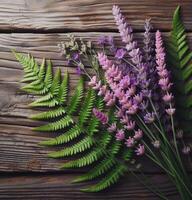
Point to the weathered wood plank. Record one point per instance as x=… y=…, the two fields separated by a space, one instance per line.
x=87 y=14
x=19 y=150
x=57 y=187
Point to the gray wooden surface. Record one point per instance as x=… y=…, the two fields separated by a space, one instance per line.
x=37 y=27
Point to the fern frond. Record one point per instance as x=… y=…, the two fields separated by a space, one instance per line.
x=55 y=126
x=76 y=98
x=108 y=180
x=180 y=63
x=97 y=170
x=78 y=147
x=86 y=160
x=87 y=106
x=57 y=112
x=62 y=93
x=66 y=137
x=48 y=76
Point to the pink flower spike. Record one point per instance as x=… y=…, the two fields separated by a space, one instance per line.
x=140 y=150
x=102 y=117
x=130 y=142
x=138 y=134
x=170 y=111
x=120 y=135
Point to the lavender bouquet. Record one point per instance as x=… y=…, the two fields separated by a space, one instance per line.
x=138 y=84
x=132 y=107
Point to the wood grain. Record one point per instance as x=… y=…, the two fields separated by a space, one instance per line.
x=58 y=187
x=26 y=173
x=86 y=15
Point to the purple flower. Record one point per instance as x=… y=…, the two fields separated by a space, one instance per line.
x=149 y=117
x=76 y=56
x=120 y=53
x=138 y=134
x=110 y=40
x=102 y=90
x=167 y=98
x=120 y=135
x=103 y=118
x=102 y=40
x=140 y=150
x=170 y=111
x=130 y=142
x=93 y=81
x=112 y=128
x=132 y=110
x=78 y=70
x=130 y=125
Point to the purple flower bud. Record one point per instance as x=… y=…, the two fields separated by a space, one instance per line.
x=102 y=117
x=78 y=70
x=93 y=81
x=102 y=90
x=132 y=110
x=112 y=128
x=76 y=56
x=167 y=98
x=130 y=125
x=130 y=142
x=140 y=150
x=149 y=118
x=120 y=53
x=110 y=40
x=138 y=98
x=97 y=86
x=102 y=40
x=120 y=135
x=170 y=111
x=138 y=134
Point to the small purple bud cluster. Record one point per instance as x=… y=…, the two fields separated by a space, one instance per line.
x=103 y=118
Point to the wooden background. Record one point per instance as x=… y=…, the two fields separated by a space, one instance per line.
x=37 y=26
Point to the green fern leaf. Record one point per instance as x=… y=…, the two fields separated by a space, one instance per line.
x=108 y=180
x=97 y=170
x=66 y=137
x=180 y=63
x=87 y=106
x=76 y=98
x=51 y=114
x=86 y=160
x=62 y=93
x=55 y=126
x=79 y=147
